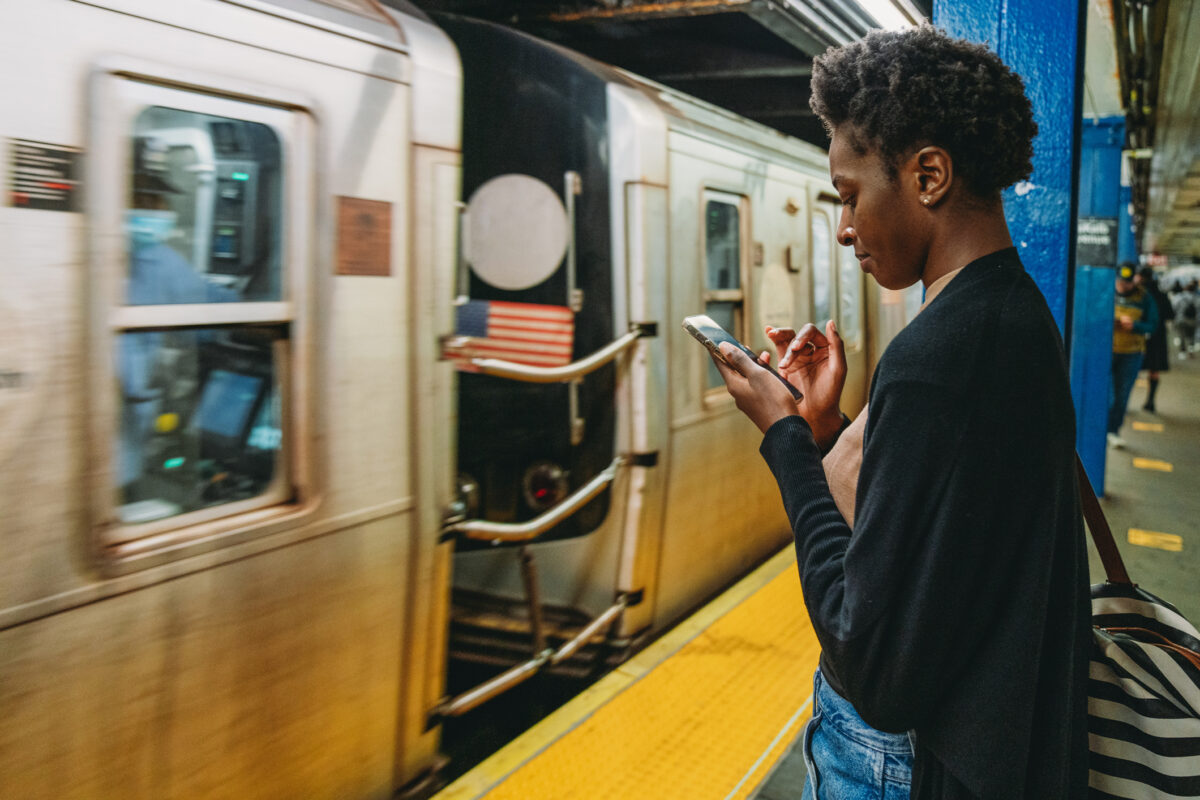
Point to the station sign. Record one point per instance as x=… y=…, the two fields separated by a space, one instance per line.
x=1096 y=241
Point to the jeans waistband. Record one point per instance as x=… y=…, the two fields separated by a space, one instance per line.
x=837 y=711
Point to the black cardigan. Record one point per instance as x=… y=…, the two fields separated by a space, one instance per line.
x=957 y=607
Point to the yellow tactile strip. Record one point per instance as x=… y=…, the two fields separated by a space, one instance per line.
x=708 y=722
x=1162 y=541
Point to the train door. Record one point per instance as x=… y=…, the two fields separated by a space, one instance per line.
x=715 y=194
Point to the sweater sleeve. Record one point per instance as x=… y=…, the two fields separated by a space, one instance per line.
x=893 y=602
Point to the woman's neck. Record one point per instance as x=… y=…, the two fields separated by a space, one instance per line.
x=963 y=234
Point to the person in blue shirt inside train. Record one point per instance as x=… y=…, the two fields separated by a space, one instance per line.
x=948 y=587
x=158 y=275
x=1135 y=316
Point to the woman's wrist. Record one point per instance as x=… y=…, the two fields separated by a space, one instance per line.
x=826 y=428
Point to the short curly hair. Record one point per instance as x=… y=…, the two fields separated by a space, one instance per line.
x=903 y=90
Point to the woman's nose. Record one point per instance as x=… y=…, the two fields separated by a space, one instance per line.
x=846 y=235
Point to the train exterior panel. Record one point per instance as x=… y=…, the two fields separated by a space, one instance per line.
x=683 y=208
x=272 y=626
x=248 y=475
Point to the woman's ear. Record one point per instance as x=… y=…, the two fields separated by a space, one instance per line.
x=934 y=172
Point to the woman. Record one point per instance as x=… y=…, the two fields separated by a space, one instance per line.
x=953 y=617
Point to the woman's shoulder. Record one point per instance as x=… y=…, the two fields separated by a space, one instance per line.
x=983 y=305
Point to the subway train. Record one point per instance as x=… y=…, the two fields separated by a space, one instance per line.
x=340 y=342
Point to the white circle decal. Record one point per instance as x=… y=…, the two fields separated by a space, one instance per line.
x=515 y=231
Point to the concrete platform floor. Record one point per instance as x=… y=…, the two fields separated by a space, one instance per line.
x=1141 y=497
x=1150 y=485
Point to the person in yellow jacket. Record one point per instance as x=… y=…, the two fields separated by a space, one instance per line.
x=1135 y=315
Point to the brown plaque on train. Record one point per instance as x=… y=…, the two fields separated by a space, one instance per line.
x=364 y=237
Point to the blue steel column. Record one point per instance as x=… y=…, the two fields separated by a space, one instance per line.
x=1100 y=195
x=1041 y=41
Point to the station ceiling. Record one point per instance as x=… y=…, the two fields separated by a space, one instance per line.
x=1173 y=186
x=754 y=57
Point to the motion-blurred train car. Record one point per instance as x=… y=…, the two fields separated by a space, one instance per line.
x=262 y=431
x=628 y=489
x=225 y=437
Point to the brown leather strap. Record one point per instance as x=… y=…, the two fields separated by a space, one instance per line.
x=1147 y=636
x=1114 y=567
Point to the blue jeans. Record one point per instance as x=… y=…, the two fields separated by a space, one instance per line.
x=1125 y=367
x=846 y=758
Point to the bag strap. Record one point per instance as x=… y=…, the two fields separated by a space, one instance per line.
x=1114 y=567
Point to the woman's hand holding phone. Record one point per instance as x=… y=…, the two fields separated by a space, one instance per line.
x=757 y=393
x=815 y=363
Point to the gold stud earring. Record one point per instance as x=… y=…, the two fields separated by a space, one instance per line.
x=925 y=200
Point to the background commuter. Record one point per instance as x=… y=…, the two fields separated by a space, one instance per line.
x=1186 y=304
x=1157 y=359
x=1135 y=316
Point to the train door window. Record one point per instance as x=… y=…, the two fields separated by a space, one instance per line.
x=850 y=296
x=208 y=189
x=822 y=266
x=202 y=299
x=724 y=260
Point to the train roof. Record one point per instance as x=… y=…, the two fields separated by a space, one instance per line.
x=403 y=28
x=699 y=114
x=354 y=19
x=685 y=111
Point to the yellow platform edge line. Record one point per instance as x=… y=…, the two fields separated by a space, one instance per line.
x=1163 y=541
x=783 y=740
x=498 y=767
x=1154 y=464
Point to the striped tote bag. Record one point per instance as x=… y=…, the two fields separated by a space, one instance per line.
x=1143 y=684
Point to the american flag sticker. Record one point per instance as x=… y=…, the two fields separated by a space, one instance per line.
x=527 y=333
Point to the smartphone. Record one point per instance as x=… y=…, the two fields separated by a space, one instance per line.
x=710 y=334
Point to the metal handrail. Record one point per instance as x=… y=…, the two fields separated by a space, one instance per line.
x=473 y=698
x=524 y=531
x=568 y=372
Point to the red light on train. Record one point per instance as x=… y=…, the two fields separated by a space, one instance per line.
x=545 y=485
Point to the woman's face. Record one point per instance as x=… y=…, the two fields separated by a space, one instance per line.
x=880 y=217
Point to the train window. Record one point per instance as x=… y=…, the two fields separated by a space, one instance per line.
x=204 y=202
x=822 y=266
x=203 y=313
x=200 y=422
x=850 y=294
x=724 y=299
